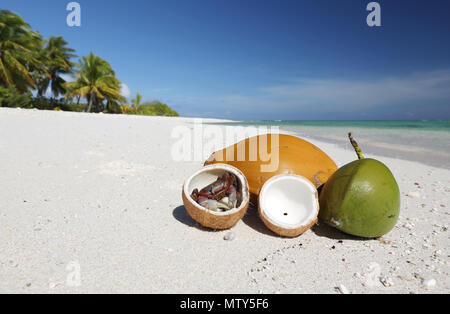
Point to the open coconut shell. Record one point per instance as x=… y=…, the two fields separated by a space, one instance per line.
x=288 y=205
x=206 y=217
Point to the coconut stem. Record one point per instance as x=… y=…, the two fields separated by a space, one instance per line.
x=355 y=146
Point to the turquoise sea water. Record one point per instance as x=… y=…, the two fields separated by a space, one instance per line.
x=424 y=141
x=430 y=125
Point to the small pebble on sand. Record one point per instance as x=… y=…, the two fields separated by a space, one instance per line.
x=342 y=289
x=437 y=253
x=229 y=236
x=386 y=281
x=413 y=194
x=408 y=226
x=13 y=264
x=429 y=283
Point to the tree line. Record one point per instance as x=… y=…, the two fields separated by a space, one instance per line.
x=32 y=71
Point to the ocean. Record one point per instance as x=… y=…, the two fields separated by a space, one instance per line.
x=425 y=141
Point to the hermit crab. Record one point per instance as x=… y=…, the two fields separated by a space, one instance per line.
x=216 y=196
x=221 y=195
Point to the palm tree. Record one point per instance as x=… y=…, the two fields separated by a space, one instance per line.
x=96 y=81
x=136 y=102
x=19 y=47
x=57 y=57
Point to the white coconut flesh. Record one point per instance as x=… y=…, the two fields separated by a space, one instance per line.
x=208 y=175
x=289 y=201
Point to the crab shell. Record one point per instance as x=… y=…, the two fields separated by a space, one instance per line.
x=209 y=218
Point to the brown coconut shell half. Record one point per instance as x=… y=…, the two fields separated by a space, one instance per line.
x=288 y=205
x=208 y=218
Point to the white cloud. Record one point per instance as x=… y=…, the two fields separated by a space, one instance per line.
x=353 y=94
x=124 y=90
x=423 y=95
x=418 y=95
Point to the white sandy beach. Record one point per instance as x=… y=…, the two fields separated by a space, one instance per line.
x=102 y=192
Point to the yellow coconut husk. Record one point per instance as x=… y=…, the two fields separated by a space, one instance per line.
x=295 y=156
x=206 y=217
x=309 y=197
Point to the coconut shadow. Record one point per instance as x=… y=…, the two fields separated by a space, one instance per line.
x=321 y=229
x=180 y=214
x=252 y=219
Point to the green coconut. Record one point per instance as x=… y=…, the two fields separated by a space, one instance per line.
x=361 y=198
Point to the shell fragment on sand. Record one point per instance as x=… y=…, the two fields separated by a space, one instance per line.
x=413 y=194
x=342 y=289
x=429 y=283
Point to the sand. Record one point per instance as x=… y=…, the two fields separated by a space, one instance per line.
x=91 y=203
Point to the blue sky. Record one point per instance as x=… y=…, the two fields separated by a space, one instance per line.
x=277 y=59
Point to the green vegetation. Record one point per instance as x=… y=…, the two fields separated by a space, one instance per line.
x=96 y=81
x=31 y=66
x=137 y=101
x=19 y=52
x=56 y=56
x=10 y=97
x=154 y=108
